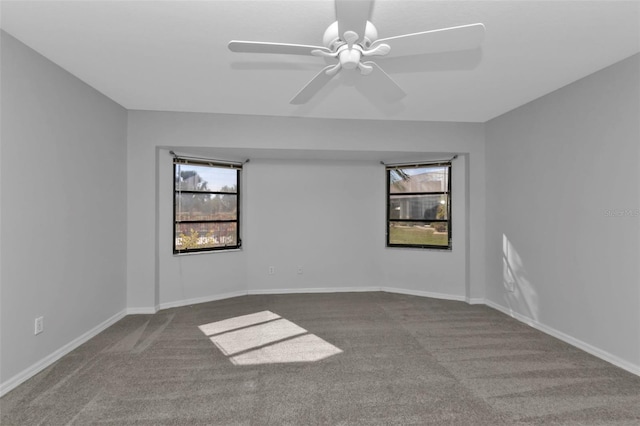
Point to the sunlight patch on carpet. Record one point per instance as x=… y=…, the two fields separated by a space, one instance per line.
x=266 y=338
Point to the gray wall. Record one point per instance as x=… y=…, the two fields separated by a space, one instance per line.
x=342 y=248
x=63 y=192
x=86 y=209
x=558 y=170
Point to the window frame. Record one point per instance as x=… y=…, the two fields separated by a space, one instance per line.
x=213 y=164
x=389 y=195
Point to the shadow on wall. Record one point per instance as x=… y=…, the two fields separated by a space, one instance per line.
x=520 y=295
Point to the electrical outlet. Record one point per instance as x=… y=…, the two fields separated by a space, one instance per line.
x=300 y=270
x=39 y=325
x=272 y=270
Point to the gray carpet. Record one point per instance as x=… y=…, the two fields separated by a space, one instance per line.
x=386 y=359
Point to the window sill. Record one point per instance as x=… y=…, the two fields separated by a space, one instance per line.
x=207 y=252
x=439 y=250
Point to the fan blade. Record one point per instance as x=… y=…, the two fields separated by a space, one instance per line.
x=266 y=47
x=313 y=87
x=386 y=87
x=352 y=15
x=443 y=40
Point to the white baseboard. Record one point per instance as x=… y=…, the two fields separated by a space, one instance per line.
x=604 y=355
x=430 y=294
x=474 y=301
x=358 y=289
x=313 y=290
x=195 y=301
x=45 y=362
x=142 y=311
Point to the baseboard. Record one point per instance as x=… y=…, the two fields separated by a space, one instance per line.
x=195 y=301
x=142 y=311
x=313 y=290
x=45 y=362
x=430 y=294
x=474 y=301
x=604 y=355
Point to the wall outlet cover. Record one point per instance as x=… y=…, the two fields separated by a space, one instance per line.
x=39 y=325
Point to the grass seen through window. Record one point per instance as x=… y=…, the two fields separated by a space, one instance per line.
x=417 y=235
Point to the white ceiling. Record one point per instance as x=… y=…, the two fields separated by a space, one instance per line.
x=172 y=55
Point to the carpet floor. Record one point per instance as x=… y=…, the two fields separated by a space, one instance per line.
x=325 y=359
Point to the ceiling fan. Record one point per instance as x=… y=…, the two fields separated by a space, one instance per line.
x=351 y=39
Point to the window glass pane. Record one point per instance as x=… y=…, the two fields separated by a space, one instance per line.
x=418 y=207
x=419 y=233
x=205 y=235
x=419 y=179
x=206 y=206
x=190 y=177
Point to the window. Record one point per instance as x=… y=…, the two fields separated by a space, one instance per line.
x=419 y=206
x=206 y=206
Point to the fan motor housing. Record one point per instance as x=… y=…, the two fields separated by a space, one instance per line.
x=332 y=40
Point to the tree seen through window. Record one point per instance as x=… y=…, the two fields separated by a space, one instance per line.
x=206 y=206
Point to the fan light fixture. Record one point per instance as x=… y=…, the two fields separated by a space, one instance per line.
x=352 y=38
